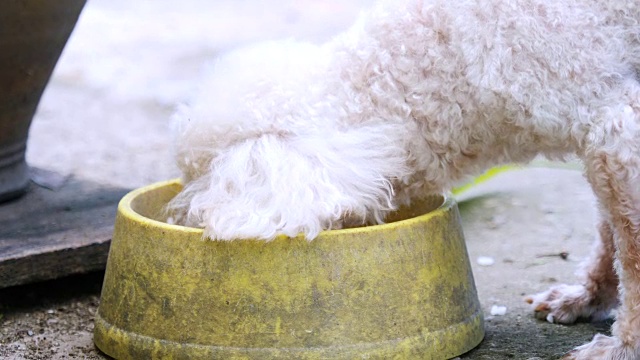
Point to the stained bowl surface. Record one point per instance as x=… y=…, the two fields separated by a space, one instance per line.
x=399 y=290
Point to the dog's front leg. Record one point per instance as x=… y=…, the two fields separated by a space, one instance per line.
x=613 y=169
x=594 y=298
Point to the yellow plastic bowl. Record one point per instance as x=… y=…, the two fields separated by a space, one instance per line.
x=401 y=290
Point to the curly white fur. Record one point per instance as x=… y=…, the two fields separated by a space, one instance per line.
x=291 y=138
x=287 y=137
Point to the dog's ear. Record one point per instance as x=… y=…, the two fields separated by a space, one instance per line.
x=273 y=184
x=241 y=96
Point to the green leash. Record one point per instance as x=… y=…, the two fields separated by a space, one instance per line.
x=493 y=172
x=489 y=174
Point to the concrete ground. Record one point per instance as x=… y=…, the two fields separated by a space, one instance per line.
x=522 y=220
x=104 y=118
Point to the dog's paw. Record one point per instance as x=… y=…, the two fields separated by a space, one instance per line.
x=564 y=304
x=603 y=348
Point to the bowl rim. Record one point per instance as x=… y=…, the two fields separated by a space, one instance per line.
x=125 y=209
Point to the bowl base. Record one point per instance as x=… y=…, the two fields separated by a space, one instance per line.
x=449 y=342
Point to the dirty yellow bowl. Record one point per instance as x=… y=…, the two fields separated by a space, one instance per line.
x=403 y=290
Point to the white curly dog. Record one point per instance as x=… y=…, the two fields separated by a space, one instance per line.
x=288 y=138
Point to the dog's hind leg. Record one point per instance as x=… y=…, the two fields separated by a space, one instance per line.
x=594 y=298
x=613 y=168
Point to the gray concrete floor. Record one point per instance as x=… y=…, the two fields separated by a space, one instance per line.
x=522 y=220
x=105 y=115
x=519 y=219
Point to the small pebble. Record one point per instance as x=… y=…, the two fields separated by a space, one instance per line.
x=497 y=310
x=485 y=261
x=29 y=332
x=497 y=221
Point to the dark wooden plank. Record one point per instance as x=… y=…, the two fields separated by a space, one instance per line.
x=52 y=233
